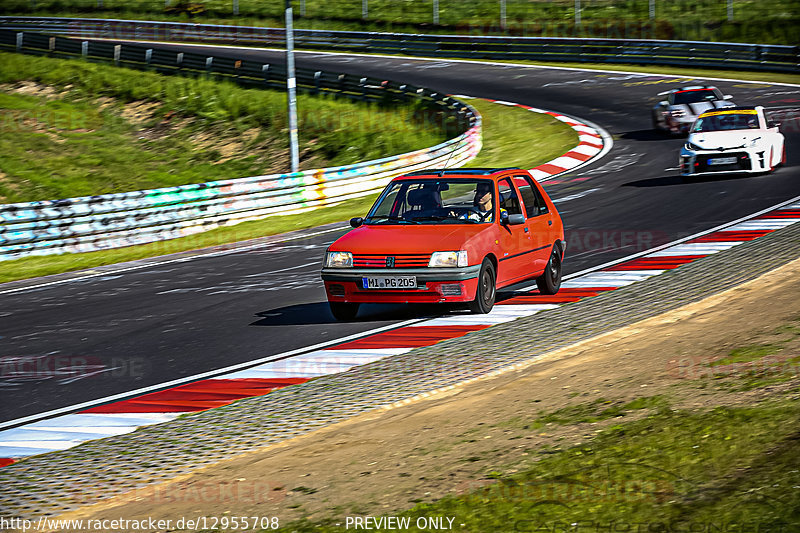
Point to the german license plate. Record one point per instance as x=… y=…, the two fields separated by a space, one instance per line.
x=722 y=161
x=390 y=282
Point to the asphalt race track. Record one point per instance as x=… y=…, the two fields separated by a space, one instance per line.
x=99 y=336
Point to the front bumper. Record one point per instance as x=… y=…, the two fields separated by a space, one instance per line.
x=748 y=161
x=434 y=285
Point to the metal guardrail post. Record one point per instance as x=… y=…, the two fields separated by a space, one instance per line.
x=209 y=65
x=84 y=49
x=503 y=14
x=20 y=38
x=51 y=45
x=179 y=60
x=435 y=12
x=363 y=84
x=148 y=57
x=117 y=51
x=317 y=76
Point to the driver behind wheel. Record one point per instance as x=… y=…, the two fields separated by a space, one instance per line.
x=484 y=209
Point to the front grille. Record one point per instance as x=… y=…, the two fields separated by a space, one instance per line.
x=742 y=162
x=400 y=260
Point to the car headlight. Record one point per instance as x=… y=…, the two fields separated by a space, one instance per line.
x=754 y=142
x=449 y=259
x=338 y=259
x=692 y=146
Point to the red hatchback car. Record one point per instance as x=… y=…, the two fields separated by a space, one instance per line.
x=447 y=236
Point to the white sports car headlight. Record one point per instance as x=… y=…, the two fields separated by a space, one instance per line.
x=448 y=259
x=338 y=259
x=692 y=146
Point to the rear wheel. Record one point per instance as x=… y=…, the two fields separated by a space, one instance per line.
x=485 y=294
x=343 y=311
x=550 y=280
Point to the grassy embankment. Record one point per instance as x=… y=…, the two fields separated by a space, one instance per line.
x=74 y=129
x=766 y=22
x=731 y=467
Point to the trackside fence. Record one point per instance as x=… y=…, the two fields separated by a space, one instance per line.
x=770 y=58
x=115 y=220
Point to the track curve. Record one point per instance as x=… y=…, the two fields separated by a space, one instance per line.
x=156 y=324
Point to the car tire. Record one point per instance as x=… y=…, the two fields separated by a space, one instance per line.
x=486 y=291
x=343 y=311
x=550 y=280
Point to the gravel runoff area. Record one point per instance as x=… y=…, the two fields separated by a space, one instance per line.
x=53 y=483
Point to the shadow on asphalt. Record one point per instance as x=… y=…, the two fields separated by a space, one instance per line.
x=319 y=312
x=667 y=181
x=647 y=135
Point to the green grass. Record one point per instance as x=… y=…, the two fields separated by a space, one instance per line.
x=687 y=469
x=764 y=21
x=746 y=354
x=82 y=149
x=527 y=125
x=513 y=137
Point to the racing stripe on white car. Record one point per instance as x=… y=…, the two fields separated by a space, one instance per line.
x=125 y=416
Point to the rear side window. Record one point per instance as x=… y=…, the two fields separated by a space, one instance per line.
x=508 y=198
x=531 y=197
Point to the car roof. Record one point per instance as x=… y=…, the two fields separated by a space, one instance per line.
x=693 y=88
x=456 y=172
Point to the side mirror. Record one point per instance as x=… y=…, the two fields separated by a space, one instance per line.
x=773 y=124
x=727 y=97
x=663 y=103
x=356 y=221
x=511 y=220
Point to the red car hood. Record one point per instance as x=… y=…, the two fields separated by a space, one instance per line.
x=407 y=239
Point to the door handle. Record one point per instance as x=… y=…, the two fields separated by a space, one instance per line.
x=549 y=222
x=527 y=230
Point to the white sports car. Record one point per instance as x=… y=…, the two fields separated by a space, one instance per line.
x=735 y=139
x=677 y=112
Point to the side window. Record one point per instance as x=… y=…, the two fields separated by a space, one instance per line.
x=531 y=196
x=540 y=203
x=528 y=197
x=508 y=198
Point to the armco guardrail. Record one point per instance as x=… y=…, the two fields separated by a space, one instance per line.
x=116 y=220
x=775 y=58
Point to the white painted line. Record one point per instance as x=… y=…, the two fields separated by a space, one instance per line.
x=695 y=248
x=203 y=375
x=764 y=224
x=617 y=278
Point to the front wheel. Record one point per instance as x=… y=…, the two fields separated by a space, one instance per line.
x=343 y=311
x=485 y=294
x=550 y=280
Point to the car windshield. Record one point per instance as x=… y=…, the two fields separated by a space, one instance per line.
x=726 y=120
x=435 y=201
x=694 y=95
